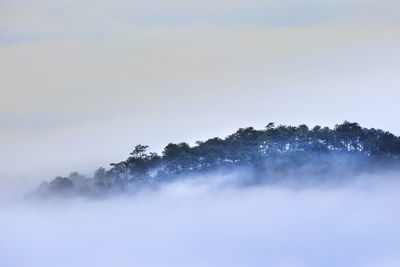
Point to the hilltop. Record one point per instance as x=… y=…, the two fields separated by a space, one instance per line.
x=267 y=155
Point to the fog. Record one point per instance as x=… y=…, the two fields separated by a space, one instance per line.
x=211 y=222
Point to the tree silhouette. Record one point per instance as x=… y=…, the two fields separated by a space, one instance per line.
x=272 y=149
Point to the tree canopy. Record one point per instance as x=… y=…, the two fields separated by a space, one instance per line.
x=272 y=148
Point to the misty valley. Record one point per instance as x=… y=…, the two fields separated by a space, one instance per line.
x=295 y=104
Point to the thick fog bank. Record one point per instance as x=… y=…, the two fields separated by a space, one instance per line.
x=198 y=223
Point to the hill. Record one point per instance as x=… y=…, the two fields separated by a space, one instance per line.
x=269 y=155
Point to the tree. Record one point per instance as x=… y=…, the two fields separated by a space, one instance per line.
x=175 y=150
x=139 y=151
x=61 y=184
x=100 y=174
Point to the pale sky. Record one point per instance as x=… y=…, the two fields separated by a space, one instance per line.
x=82 y=82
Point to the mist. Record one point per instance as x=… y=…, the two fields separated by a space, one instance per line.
x=210 y=221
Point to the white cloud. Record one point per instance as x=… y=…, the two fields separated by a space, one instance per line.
x=356 y=226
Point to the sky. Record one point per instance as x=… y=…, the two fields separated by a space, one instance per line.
x=82 y=82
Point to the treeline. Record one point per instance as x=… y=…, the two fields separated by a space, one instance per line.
x=270 y=151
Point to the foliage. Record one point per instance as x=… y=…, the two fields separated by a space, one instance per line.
x=273 y=149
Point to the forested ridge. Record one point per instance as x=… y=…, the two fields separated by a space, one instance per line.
x=267 y=154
